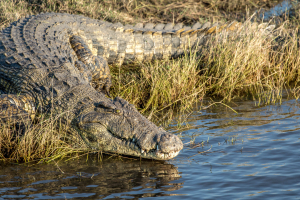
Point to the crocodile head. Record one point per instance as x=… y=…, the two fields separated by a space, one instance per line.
x=118 y=127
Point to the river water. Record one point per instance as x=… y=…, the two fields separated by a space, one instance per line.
x=277 y=10
x=253 y=154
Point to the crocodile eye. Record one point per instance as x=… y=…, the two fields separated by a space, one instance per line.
x=117 y=111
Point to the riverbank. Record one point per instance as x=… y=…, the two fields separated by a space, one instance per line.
x=249 y=65
x=129 y=11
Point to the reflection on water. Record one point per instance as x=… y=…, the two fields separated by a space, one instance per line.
x=250 y=155
x=93 y=179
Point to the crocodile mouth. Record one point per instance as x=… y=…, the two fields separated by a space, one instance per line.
x=132 y=148
x=157 y=153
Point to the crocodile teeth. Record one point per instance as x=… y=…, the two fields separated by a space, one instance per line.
x=142 y=150
x=157 y=147
x=133 y=139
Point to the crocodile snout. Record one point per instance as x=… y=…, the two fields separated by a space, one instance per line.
x=169 y=142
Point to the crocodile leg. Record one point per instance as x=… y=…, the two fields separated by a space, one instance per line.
x=16 y=110
x=94 y=68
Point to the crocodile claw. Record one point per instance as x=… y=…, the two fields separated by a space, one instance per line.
x=107 y=92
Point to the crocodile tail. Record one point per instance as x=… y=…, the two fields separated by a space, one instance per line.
x=127 y=44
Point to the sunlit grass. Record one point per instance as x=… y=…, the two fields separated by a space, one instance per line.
x=46 y=140
x=161 y=84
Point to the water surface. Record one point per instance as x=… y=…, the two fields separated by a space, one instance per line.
x=277 y=10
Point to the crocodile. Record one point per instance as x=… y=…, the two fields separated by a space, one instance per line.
x=58 y=63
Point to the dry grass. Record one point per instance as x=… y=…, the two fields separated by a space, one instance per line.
x=253 y=65
x=45 y=141
x=133 y=11
x=245 y=65
x=161 y=84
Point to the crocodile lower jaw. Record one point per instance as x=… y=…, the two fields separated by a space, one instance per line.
x=167 y=156
x=152 y=154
